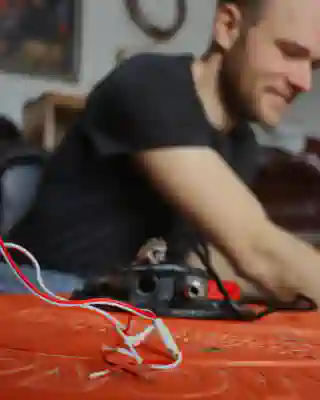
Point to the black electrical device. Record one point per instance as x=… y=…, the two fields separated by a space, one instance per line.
x=177 y=291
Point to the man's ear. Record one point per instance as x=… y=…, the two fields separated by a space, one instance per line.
x=227 y=26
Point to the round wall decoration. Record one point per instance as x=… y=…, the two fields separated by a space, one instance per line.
x=155 y=32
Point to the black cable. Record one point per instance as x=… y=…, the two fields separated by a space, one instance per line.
x=301 y=303
x=203 y=253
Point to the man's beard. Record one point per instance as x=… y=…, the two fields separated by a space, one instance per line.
x=229 y=87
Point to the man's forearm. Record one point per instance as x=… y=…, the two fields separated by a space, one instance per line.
x=285 y=264
x=232 y=218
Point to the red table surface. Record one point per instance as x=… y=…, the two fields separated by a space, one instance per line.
x=48 y=352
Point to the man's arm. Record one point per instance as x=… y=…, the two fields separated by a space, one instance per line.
x=204 y=188
x=146 y=109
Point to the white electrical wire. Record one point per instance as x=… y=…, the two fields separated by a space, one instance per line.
x=35 y=264
x=130 y=341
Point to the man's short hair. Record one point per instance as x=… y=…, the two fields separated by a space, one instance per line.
x=251 y=7
x=252 y=13
x=242 y=3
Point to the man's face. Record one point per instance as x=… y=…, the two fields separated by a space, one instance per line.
x=266 y=65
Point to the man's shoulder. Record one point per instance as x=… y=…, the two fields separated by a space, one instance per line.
x=153 y=62
x=149 y=68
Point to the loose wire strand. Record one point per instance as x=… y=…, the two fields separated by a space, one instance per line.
x=90 y=304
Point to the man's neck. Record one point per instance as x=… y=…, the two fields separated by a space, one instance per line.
x=206 y=79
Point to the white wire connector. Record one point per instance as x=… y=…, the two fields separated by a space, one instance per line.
x=167 y=338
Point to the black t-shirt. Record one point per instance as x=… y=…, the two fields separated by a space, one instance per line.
x=95 y=209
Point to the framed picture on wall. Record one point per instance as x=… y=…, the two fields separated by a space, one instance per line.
x=41 y=38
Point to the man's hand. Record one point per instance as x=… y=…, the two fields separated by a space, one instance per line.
x=201 y=185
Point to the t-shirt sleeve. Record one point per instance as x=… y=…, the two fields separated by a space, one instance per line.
x=146 y=104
